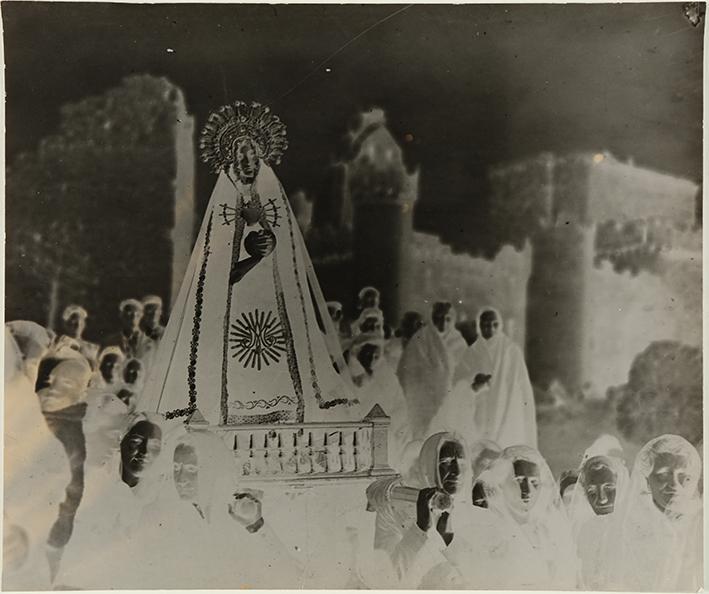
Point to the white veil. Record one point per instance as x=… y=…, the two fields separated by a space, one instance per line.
x=660 y=551
x=540 y=547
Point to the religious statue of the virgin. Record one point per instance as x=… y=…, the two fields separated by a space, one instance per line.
x=249 y=340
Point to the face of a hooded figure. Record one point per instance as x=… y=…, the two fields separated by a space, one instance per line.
x=410 y=324
x=74 y=326
x=372 y=324
x=108 y=367
x=246 y=161
x=335 y=313
x=140 y=447
x=130 y=318
x=489 y=324
x=370 y=299
x=369 y=356
x=599 y=483
x=152 y=312
x=132 y=370
x=185 y=472
x=450 y=466
x=443 y=318
x=479 y=497
x=670 y=482
x=521 y=489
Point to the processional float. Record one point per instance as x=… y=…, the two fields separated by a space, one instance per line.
x=250 y=351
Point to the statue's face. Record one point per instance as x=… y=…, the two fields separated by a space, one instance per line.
x=600 y=482
x=670 y=481
x=246 y=161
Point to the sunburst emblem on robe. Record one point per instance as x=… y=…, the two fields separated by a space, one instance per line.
x=257 y=339
x=231 y=123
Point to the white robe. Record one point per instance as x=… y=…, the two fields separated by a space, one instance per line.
x=425 y=372
x=596 y=536
x=108 y=513
x=535 y=551
x=504 y=412
x=36 y=472
x=656 y=551
x=383 y=388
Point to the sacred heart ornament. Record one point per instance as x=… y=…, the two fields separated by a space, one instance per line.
x=252 y=213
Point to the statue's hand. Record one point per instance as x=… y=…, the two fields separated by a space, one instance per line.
x=260 y=244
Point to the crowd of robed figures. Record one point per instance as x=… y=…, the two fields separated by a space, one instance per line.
x=112 y=494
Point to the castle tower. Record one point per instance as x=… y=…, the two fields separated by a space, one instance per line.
x=616 y=263
x=382 y=194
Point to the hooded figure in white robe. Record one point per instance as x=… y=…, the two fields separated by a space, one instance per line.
x=376 y=383
x=660 y=546
x=108 y=371
x=74 y=319
x=118 y=485
x=492 y=396
x=212 y=531
x=530 y=544
x=603 y=482
x=426 y=368
x=36 y=471
x=417 y=521
x=411 y=322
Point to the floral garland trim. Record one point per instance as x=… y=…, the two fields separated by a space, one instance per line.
x=290 y=351
x=261 y=403
x=239 y=224
x=196 y=325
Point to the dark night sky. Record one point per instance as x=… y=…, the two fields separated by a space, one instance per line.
x=473 y=84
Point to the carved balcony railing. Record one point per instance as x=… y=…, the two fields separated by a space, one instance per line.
x=309 y=451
